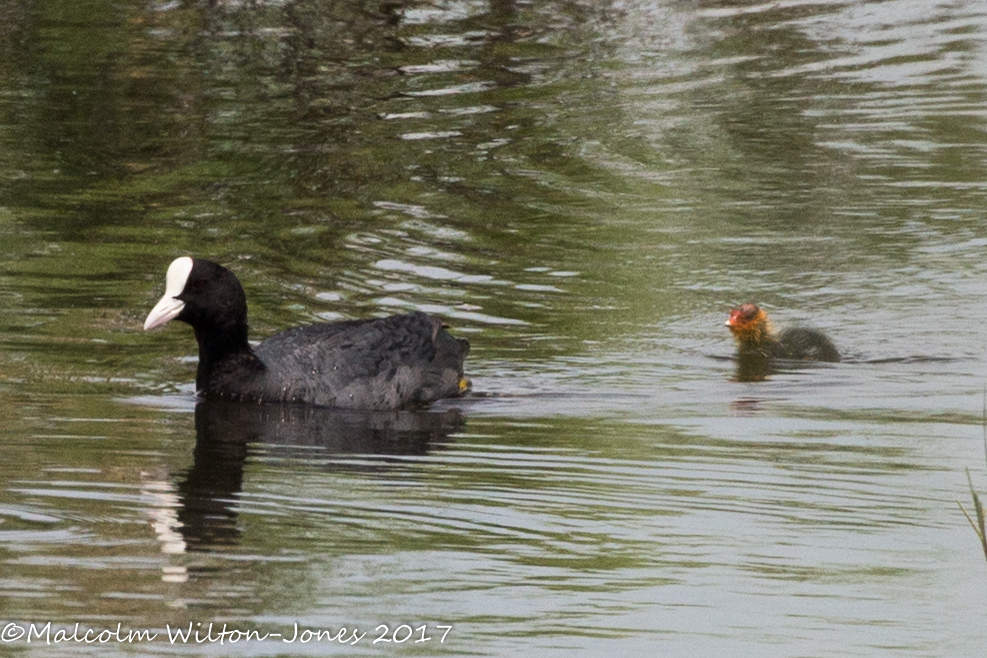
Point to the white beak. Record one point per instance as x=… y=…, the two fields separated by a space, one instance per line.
x=169 y=306
x=163 y=312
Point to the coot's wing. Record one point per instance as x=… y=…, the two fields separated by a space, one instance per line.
x=385 y=363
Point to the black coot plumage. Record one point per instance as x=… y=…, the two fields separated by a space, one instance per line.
x=398 y=362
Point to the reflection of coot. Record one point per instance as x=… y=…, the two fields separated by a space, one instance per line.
x=757 y=343
x=224 y=430
x=336 y=431
x=399 y=362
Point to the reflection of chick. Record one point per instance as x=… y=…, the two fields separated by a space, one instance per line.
x=754 y=334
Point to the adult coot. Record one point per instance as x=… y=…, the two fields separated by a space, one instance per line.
x=755 y=336
x=387 y=363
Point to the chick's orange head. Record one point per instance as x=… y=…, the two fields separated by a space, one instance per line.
x=745 y=318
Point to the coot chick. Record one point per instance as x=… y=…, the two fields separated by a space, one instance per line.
x=397 y=362
x=755 y=336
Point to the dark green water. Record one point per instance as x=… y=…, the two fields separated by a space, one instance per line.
x=581 y=189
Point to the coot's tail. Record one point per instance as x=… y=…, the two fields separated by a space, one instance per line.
x=465 y=385
x=447 y=379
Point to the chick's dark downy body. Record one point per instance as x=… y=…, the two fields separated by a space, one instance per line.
x=395 y=362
